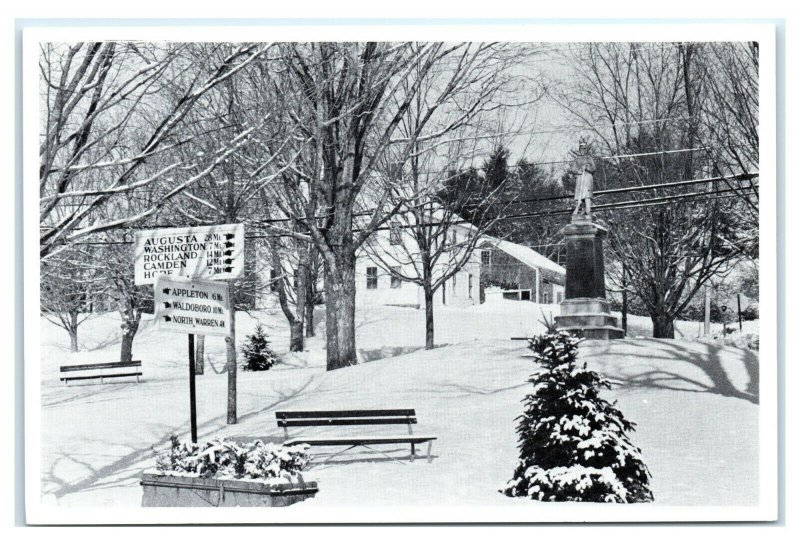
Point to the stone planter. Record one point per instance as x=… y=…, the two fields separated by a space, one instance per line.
x=160 y=490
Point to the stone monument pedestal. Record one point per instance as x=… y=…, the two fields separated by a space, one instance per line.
x=585 y=310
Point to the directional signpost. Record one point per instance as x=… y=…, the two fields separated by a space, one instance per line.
x=192 y=306
x=183 y=264
x=214 y=252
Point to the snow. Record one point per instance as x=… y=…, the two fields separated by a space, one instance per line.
x=695 y=403
x=526 y=255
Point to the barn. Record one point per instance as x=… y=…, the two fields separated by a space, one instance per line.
x=513 y=271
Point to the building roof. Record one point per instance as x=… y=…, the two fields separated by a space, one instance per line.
x=526 y=255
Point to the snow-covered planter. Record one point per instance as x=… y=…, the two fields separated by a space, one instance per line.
x=227 y=474
x=574 y=445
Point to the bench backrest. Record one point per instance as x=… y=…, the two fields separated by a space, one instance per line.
x=93 y=366
x=345 y=418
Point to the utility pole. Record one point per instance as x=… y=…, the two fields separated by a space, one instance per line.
x=625 y=298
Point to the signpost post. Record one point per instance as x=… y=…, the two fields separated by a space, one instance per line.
x=185 y=265
x=192 y=306
x=192 y=390
x=739 y=309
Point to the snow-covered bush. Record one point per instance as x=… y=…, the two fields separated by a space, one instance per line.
x=222 y=458
x=258 y=354
x=574 y=445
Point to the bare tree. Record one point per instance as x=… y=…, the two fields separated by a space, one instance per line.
x=105 y=123
x=69 y=291
x=428 y=242
x=347 y=101
x=639 y=100
x=291 y=265
x=131 y=300
x=728 y=114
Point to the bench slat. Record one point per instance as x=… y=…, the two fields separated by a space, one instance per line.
x=344 y=414
x=93 y=366
x=338 y=441
x=87 y=377
x=346 y=421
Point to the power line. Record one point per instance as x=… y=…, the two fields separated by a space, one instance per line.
x=623 y=205
x=742 y=176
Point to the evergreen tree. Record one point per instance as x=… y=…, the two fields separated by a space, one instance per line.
x=574 y=445
x=258 y=354
x=496 y=172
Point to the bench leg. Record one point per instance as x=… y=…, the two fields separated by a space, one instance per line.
x=413 y=451
x=430 y=445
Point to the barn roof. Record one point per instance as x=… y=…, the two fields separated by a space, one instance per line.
x=526 y=255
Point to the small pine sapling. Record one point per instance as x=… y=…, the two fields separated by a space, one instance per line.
x=574 y=445
x=258 y=354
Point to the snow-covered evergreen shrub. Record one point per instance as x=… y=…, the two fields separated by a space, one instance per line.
x=258 y=354
x=574 y=445
x=222 y=458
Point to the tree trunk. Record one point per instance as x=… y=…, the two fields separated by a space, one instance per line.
x=73 y=332
x=296 y=339
x=663 y=326
x=230 y=343
x=199 y=354
x=340 y=307
x=311 y=290
x=294 y=317
x=428 y=318
x=310 y=316
x=126 y=347
x=296 y=336
x=73 y=340
x=129 y=326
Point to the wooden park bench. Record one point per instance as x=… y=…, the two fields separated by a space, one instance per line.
x=381 y=417
x=102 y=371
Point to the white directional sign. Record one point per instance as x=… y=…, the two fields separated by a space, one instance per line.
x=215 y=252
x=192 y=306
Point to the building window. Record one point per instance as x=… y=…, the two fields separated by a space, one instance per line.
x=394 y=233
x=486 y=257
x=372 y=278
x=453 y=238
x=469 y=286
x=396 y=282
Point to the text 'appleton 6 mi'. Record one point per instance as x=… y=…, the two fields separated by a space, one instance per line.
x=214 y=252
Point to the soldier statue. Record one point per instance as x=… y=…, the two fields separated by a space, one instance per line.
x=583 y=166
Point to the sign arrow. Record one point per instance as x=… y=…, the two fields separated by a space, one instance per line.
x=167 y=318
x=229 y=244
x=167 y=305
x=227 y=269
x=227 y=260
x=229 y=236
x=228 y=252
x=166 y=291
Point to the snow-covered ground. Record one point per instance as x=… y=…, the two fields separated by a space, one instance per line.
x=695 y=403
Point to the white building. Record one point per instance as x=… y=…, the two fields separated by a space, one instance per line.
x=389 y=260
x=391 y=256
